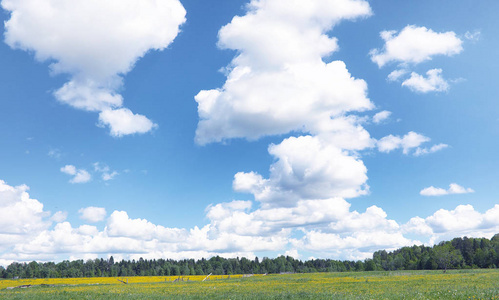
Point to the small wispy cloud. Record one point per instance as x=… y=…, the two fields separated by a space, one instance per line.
x=432 y=149
x=106 y=173
x=55 y=153
x=381 y=116
x=473 y=36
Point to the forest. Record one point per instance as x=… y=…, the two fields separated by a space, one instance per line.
x=459 y=253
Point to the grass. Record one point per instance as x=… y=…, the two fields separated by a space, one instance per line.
x=469 y=284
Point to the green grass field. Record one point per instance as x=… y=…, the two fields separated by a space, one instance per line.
x=456 y=284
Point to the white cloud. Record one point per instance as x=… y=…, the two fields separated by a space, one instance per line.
x=106 y=173
x=407 y=143
x=454 y=188
x=59 y=216
x=418 y=226
x=414 y=45
x=21 y=218
x=395 y=75
x=79 y=175
x=92 y=214
x=82 y=176
x=96 y=43
x=432 y=149
x=98 y=167
x=473 y=36
x=381 y=116
x=464 y=220
x=292 y=253
x=233 y=230
x=55 y=153
x=328 y=228
x=19 y=214
x=109 y=176
x=434 y=82
x=69 y=169
x=123 y=121
x=359 y=245
x=278 y=83
x=306 y=168
x=464 y=217
x=373 y=219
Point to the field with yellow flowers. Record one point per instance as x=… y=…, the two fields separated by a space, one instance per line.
x=462 y=284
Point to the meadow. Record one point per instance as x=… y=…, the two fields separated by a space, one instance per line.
x=454 y=284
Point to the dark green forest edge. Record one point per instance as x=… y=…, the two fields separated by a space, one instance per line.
x=460 y=253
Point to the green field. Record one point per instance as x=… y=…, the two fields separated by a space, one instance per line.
x=462 y=284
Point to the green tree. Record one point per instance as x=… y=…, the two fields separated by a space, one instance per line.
x=446 y=256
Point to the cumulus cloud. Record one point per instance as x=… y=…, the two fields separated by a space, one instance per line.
x=433 y=82
x=359 y=245
x=92 y=214
x=407 y=142
x=21 y=218
x=381 y=116
x=79 y=175
x=414 y=45
x=306 y=168
x=19 y=214
x=462 y=221
x=59 y=216
x=328 y=228
x=278 y=82
x=233 y=230
x=454 y=188
x=96 y=43
x=123 y=121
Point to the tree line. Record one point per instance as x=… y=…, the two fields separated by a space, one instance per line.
x=460 y=253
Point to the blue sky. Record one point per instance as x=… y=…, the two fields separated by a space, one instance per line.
x=318 y=128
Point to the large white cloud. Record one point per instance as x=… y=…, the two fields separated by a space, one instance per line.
x=19 y=214
x=306 y=168
x=21 y=218
x=321 y=227
x=414 y=45
x=96 y=43
x=464 y=220
x=278 y=82
x=359 y=245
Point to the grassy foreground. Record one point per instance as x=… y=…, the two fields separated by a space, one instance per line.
x=463 y=284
